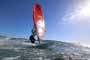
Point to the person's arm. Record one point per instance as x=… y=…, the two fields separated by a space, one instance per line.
x=44 y=29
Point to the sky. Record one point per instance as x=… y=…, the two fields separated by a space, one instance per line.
x=65 y=20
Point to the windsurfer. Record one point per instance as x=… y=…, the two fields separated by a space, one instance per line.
x=32 y=37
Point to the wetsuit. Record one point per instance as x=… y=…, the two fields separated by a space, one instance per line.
x=32 y=37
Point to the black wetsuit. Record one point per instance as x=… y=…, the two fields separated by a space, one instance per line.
x=32 y=39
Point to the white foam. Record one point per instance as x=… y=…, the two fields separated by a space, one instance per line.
x=30 y=44
x=11 y=58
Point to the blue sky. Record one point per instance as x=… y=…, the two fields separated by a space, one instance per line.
x=66 y=20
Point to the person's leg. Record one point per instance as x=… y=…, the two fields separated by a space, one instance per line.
x=32 y=39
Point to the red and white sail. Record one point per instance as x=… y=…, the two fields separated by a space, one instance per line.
x=38 y=21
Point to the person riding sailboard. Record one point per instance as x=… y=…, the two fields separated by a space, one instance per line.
x=39 y=24
x=32 y=37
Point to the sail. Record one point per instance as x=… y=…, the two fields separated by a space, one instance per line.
x=38 y=21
